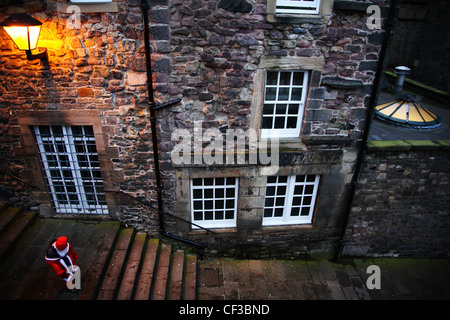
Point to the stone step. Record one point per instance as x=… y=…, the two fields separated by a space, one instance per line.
x=143 y=268
x=131 y=268
x=190 y=278
x=147 y=270
x=13 y=223
x=176 y=276
x=162 y=272
x=115 y=266
x=7 y=216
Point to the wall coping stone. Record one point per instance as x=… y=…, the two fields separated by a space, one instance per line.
x=405 y=145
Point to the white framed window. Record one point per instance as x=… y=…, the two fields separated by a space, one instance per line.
x=71 y=169
x=284 y=102
x=290 y=199
x=298 y=6
x=214 y=202
x=89 y=1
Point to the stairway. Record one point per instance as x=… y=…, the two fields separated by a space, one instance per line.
x=144 y=268
x=128 y=266
x=13 y=223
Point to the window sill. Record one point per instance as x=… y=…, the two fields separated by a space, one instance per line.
x=298 y=18
x=216 y=230
x=287 y=228
x=90 y=7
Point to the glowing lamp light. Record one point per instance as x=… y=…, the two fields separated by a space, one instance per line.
x=24 y=32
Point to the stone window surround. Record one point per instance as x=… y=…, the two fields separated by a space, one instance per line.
x=112 y=6
x=33 y=170
x=183 y=196
x=325 y=10
x=310 y=64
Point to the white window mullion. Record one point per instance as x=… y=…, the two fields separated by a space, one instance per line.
x=289 y=198
x=298 y=6
x=72 y=154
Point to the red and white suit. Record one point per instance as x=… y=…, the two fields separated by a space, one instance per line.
x=62 y=258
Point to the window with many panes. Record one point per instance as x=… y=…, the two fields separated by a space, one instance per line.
x=290 y=199
x=90 y=1
x=284 y=102
x=298 y=6
x=71 y=169
x=214 y=202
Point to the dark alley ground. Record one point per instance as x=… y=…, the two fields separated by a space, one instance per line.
x=24 y=274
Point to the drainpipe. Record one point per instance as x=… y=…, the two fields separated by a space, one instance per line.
x=151 y=104
x=390 y=25
x=153 y=107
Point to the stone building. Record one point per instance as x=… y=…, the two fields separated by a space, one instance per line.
x=291 y=80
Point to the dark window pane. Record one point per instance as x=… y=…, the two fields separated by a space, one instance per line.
x=282 y=179
x=281 y=109
x=209 y=204
x=269 y=202
x=309 y=189
x=278 y=212
x=219 y=193
x=285 y=78
x=270 y=191
x=281 y=190
x=305 y=211
x=208 y=193
x=271 y=94
x=279 y=123
x=291 y=123
x=198 y=194
x=198 y=205
x=283 y=94
x=268 y=213
x=296 y=94
x=267 y=123
x=279 y=202
x=219 y=204
x=298 y=78
x=307 y=201
x=293 y=109
x=219 y=215
x=297 y=201
x=198 y=216
x=295 y=212
x=298 y=190
x=268 y=109
x=229 y=204
x=209 y=215
x=272 y=78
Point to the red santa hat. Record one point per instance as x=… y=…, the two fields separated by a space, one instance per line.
x=61 y=243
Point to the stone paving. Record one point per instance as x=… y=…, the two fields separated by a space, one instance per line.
x=400 y=279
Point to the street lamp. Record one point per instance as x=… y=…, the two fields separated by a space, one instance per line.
x=24 y=32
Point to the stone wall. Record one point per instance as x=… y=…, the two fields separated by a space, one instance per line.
x=213 y=55
x=401 y=202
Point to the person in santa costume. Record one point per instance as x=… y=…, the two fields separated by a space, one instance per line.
x=62 y=258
